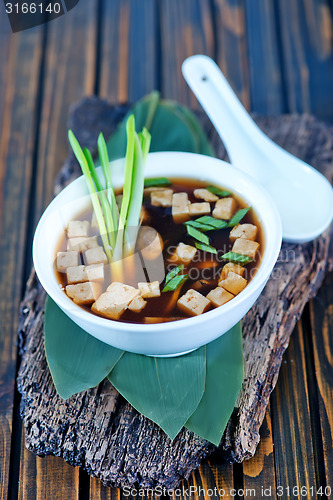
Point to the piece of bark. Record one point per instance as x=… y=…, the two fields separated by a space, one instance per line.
x=98 y=429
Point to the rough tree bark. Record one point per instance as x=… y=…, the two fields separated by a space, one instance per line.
x=98 y=429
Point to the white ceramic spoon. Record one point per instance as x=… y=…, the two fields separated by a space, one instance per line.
x=303 y=196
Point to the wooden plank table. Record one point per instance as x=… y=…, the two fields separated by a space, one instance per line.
x=278 y=57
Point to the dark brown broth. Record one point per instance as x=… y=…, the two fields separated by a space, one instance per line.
x=172 y=234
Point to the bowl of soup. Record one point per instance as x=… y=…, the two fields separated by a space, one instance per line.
x=180 y=289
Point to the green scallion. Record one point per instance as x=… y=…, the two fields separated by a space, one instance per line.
x=157 y=182
x=235 y=219
x=236 y=257
x=219 y=192
x=205 y=248
x=175 y=283
x=197 y=235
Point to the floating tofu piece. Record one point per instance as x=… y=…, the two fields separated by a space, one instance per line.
x=204 y=194
x=234 y=283
x=81 y=244
x=193 y=303
x=246 y=231
x=95 y=256
x=180 y=207
x=245 y=247
x=77 y=228
x=150 y=243
x=115 y=300
x=84 y=293
x=80 y=274
x=137 y=304
x=161 y=198
x=67 y=259
x=225 y=208
x=183 y=254
x=149 y=290
x=231 y=266
x=219 y=296
x=199 y=208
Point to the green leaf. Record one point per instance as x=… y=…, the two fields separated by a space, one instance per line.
x=157 y=182
x=77 y=360
x=235 y=219
x=224 y=377
x=219 y=192
x=152 y=386
x=237 y=257
x=205 y=248
x=175 y=283
x=207 y=223
x=172 y=127
x=171 y=274
x=197 y=235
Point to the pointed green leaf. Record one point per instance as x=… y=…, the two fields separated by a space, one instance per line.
x=172 y=128
x=77 y=360
x=166 y=390
x=224 y=377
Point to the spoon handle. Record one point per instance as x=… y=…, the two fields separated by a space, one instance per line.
x=243 y=140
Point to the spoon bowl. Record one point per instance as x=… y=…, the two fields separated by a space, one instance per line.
x=303 y=196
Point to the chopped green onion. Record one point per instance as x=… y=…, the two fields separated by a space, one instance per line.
x=237 y=257
x=235 y=219
x=211 y=221
x=175 y=283
x=198 y=225
x=218 y=192
x=157 y=182
x=205 y=248
x=174 y=272
x=197 y=235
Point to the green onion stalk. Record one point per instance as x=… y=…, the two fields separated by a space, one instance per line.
x=118 y=230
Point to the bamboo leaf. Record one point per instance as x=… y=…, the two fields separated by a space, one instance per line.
x=77 y=360
x=224 y=377
x=152 y=386
x=172 y=127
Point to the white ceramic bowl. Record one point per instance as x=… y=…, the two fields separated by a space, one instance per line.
x=180 y=336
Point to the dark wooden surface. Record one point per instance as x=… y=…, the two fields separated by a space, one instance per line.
x=277 y=54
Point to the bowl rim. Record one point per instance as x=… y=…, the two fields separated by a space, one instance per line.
x=270 y=255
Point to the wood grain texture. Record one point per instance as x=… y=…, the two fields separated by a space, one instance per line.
x=266 y=85
x=321 y=313
x=307 y=54
x=186 y=29
x=231 y=45
x=128 y=50
x=98 y=429
x=16 y=143
x=292 y=431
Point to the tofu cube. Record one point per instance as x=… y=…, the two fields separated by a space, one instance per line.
x=199 y=208
x=245 y=247
x=67 y=259
x=183 y=254
x=231 y=266
x=193 y=303
x=149 y=290
x=219 y=296
x=180 y=207
x=234 y=283
x=225 y=208
x=82 y=244
x=115 y=300
x=77 y=228
x=161 y=198
x=80 y=274
x=137 y=304
x=247 y=231
x=95 y=256
x=84 y=293
x=204 y=194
